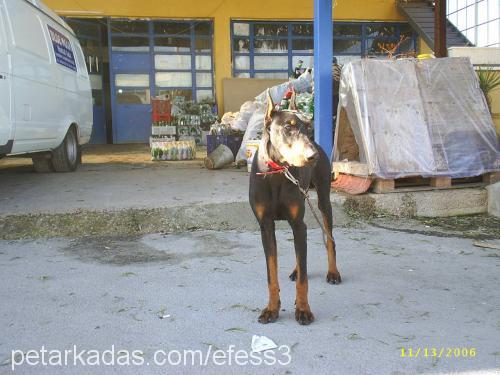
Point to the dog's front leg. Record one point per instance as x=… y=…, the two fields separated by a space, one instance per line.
x=303 y=313
x=271 y=312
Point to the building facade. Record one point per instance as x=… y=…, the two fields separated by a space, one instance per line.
x=139 y=49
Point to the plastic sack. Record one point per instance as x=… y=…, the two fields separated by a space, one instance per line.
x=240 y=122
x=228 y=118
x=254 y=131
x=408 y=117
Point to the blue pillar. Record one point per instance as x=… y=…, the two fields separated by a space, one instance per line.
x=323 y=89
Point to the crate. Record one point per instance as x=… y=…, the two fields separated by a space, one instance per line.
x=161 y=110
x=231 y=141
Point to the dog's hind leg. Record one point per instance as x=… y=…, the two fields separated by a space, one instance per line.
x=271 y=312
x=321 y=179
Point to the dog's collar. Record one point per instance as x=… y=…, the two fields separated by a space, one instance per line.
x=275 y=168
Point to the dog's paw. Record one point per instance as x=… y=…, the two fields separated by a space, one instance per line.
x=304 y=317
x=333 y=278
x=268 y=316
x=293 y=275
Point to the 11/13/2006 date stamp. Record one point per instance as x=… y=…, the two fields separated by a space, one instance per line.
x=438 y=352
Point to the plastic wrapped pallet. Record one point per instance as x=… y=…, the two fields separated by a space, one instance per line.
x=409 y=117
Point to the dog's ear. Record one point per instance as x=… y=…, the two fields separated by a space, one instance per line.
x=270 y=108
x=293 y=102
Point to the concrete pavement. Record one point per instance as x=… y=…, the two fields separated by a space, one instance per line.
x=399 y=290
x=115 y=179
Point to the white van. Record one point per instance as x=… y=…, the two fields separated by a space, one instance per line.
x=45 y=95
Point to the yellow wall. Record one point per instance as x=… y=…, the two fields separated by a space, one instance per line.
x=424 y=47
x=222 y=11
x=495 y=108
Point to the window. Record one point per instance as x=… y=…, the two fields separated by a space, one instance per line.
x=183 y=59
x=181 y=55
x=273 y=49
x=478 y=20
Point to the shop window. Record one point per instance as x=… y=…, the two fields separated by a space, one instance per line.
x=132 y=80
x=303 y=29
x=273 y=49
x=271 y=46
x=172 y=93
x=176 y=79
x=171 y=44
x=242 y=29
x=272 y=75
x=270 y=29
x=129 y=27
x=242 y=62
x=303 y=45
x=204 y=79
x=203 y=29
x=347 y=31
x=182 y=55
x=204 y=95
x=271 y=62
x=173 y=62
x=171 y=28
x=383 y=31
x=307 y=60
x=130 y=44
x=186 y=62
x=241 y=45
x=203 y=62
x=133 y=96
x=203 y=45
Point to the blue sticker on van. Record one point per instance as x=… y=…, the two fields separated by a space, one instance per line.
x=62 y=49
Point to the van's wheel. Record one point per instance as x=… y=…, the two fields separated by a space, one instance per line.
x=42 y=165
x=66 y=157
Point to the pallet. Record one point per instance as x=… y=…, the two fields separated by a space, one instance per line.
x=416 y=183
x=381 y=186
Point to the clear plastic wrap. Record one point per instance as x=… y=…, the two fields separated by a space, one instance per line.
x=409 y=117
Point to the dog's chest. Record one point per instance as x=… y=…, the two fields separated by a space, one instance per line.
x=283 y=196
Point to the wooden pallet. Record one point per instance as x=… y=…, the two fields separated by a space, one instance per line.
x=380 y=185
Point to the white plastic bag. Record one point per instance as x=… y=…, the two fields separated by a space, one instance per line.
x=241 y=120
x=254 y=131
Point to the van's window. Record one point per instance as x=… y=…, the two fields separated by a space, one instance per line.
x=81 y=60
x=29 y=34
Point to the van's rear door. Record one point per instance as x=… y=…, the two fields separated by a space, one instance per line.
x=6 y=133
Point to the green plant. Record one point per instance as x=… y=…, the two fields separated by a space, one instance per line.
x=489 y=80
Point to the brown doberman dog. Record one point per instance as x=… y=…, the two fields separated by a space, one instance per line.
x=273 y=196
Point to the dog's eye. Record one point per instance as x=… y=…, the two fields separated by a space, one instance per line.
x=288 y=127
